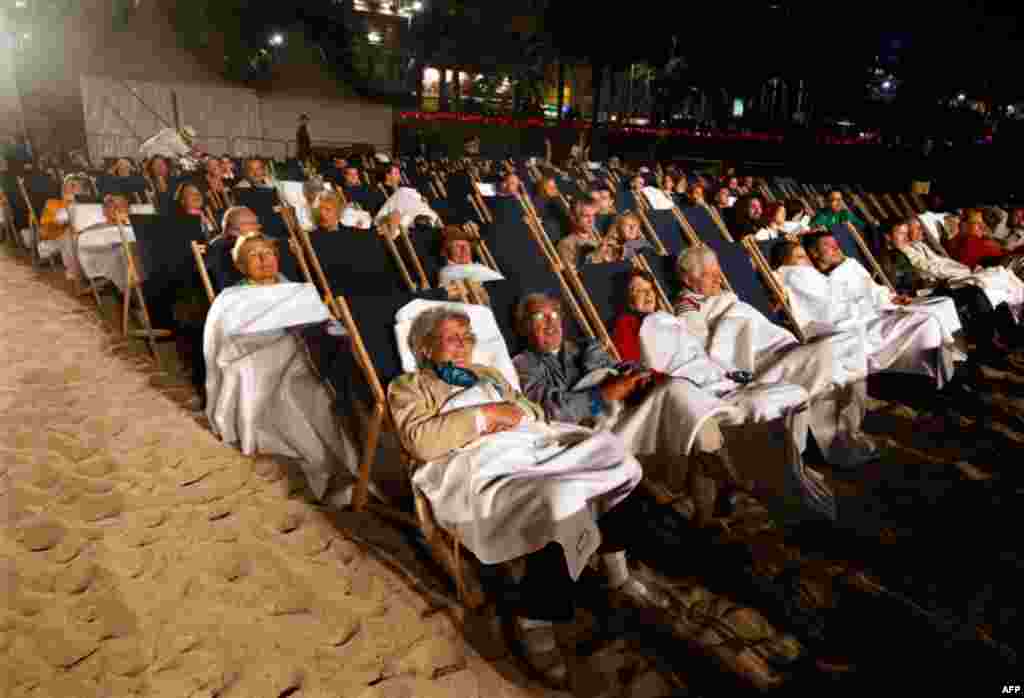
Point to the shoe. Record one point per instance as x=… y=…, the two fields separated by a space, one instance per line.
x=539 y=647
x=639 y=594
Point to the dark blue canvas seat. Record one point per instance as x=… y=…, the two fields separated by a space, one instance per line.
x=606 y=284
x=668 y=230
x=703 y=224
x=163 y=249
x=374 y=316
x=459 y=186
x=129 y=186
x=426 y=242
x=739 y=269
x=356 y=262
x=664 y=270
x=262 y=202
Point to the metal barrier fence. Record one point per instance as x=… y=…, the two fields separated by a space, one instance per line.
x=109 y=145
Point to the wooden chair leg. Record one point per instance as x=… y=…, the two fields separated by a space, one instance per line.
x=362 y=489
x=148 y=326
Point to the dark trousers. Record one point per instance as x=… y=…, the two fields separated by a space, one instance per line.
x=547 y=592
x=981 y=321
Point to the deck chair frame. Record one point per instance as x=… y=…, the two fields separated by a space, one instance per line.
x=133 y=288
x=774 y=287
x=33 y=224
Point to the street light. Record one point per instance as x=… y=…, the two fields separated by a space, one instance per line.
x=276 y=40
x=886 y=85
x=417 y=6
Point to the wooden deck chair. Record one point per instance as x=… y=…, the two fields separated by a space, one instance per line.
x=370 y=322
x=760 y=251
x=82 y=217
x=904 y=201
x=662 y=227
x=853 y=245
x=706 y=222
x=8 y=231
x=514 y=240
x=602 y=290
x=919 y=203
x=895 y=206
x=133 y=289
x=882 y=212
x=854 y=200
x=217 y=270
x=35 y=190
x=162 y=249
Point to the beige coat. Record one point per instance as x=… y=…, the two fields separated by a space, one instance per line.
x=416 y=400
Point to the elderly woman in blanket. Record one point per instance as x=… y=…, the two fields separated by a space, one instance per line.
x=262 y=387
x=510 y=484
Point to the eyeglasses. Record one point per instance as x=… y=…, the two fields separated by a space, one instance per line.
x=468 y=339
x=540 y=316
x=262 y=252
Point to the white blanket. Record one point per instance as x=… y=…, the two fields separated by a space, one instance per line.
x=100 y=254
x=726 y=334
x=658 y=199
x=410 y=204
x=261 y=392
x=511 y=493
x=912 y=339
x=700 y=390
x=467 y=272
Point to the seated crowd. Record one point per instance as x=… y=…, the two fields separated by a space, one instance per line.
x=542 y=464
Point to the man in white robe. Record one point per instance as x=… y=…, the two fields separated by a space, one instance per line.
x=837 y=294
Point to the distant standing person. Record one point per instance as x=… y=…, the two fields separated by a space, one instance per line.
x=303 y=147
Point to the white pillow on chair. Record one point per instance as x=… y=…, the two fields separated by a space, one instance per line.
x=658 y=199
x=295 y=196
x=490 y=349
x=142 y=210
x=85 y=215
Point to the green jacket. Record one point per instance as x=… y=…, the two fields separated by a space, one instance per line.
x=827 y=218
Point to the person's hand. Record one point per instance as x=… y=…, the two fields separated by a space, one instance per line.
x=501 y=416
x=618 y=388
x=902 y=300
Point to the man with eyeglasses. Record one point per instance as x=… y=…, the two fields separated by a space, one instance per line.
x=581 y=383
x=835 y=213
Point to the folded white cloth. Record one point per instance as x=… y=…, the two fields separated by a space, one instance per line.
x=468 y=272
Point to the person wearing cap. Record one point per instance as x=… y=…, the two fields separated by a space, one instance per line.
x=303 y=144
x=457 y=252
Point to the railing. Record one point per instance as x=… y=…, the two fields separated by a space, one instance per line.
x=106 y=145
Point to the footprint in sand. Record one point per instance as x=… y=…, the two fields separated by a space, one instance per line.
x=40 y=533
